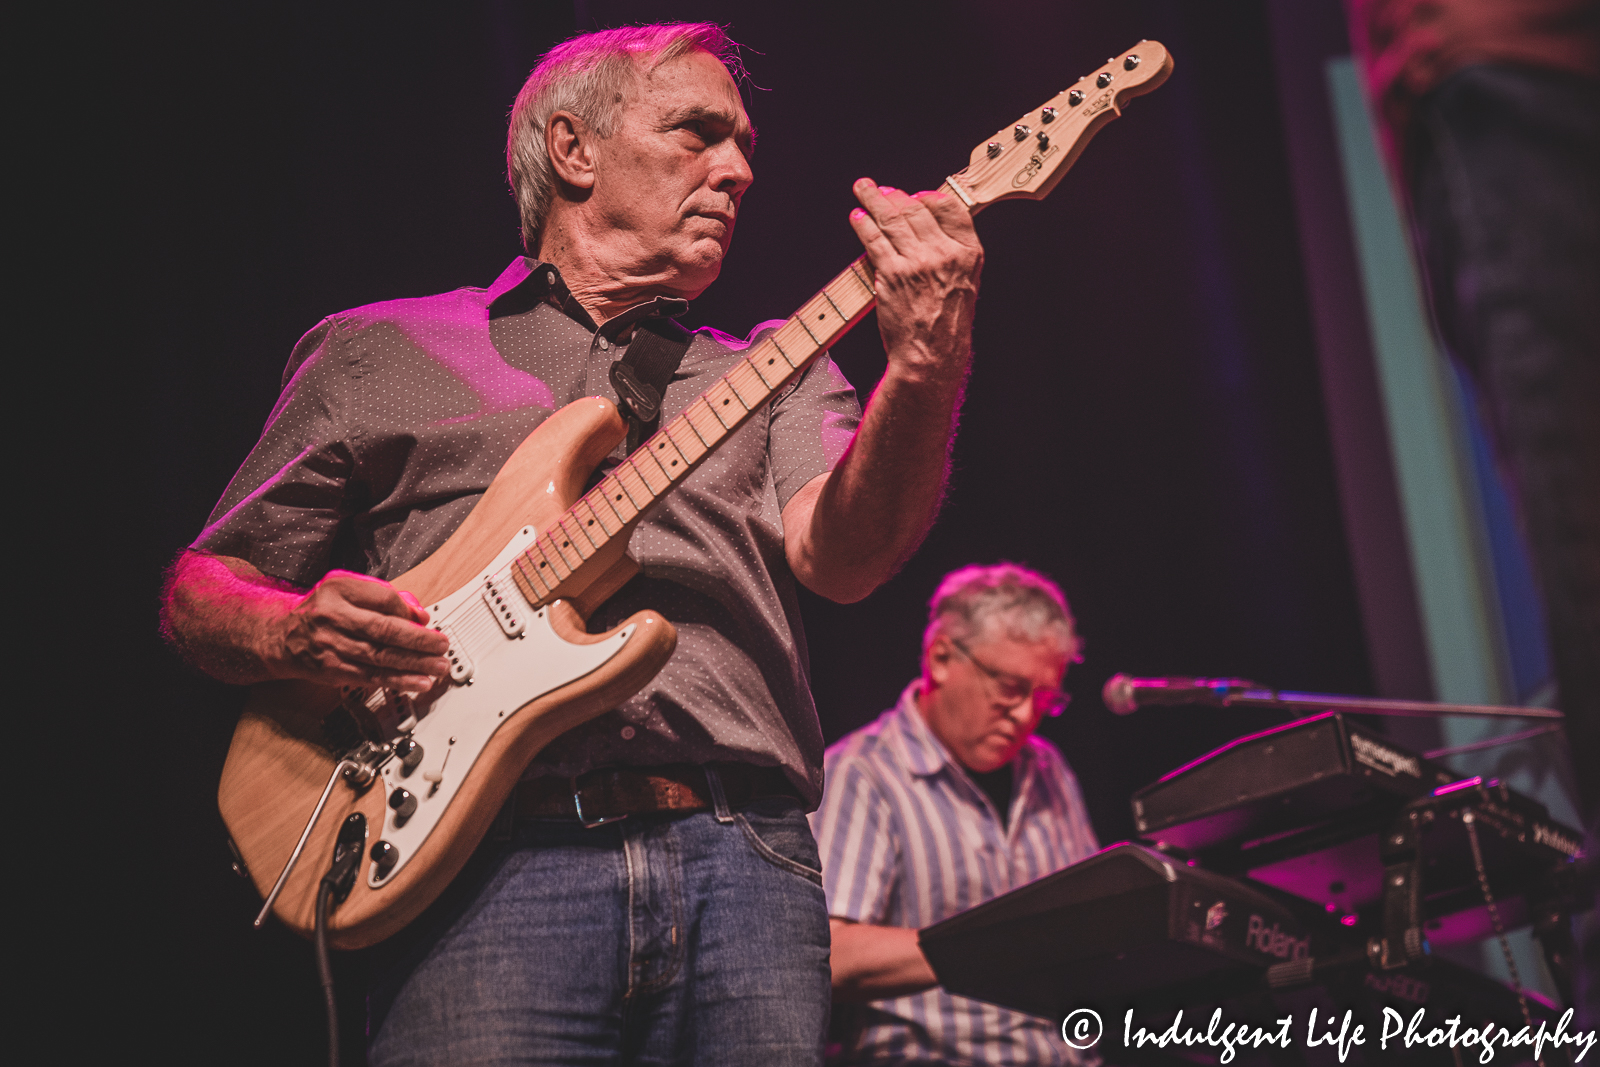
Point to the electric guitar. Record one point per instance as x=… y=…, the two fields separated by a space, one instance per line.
x=415 y=783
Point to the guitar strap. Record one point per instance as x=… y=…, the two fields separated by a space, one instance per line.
x=640 y=377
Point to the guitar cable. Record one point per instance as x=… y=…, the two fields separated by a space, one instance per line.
x=325 y=969
x=332 y=891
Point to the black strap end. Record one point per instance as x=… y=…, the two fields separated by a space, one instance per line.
x=640 y=398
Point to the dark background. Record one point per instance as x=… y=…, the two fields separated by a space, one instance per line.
x=1144 y=420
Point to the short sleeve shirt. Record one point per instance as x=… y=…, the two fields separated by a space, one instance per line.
x=907 y=839
x=394 y=419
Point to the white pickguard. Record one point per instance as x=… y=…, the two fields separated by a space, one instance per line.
x=507 y=672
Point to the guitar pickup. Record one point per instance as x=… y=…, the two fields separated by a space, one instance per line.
x=393 y=712
x=460 y=664
x=503 y=607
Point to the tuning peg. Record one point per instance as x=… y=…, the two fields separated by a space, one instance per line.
x=1021 y=132
x=1104 y=79
x=1075 y=97
x=1047 y=115
x=1130 y=62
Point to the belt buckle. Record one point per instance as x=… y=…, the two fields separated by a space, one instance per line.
x=584 y=820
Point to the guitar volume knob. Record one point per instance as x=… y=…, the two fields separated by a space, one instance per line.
x=410 y=753
x=404 y=804
x=384 y=857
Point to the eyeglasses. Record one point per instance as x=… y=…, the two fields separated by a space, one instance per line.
x=1013 y=689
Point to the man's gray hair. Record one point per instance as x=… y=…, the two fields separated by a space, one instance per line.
x=1022 y=604
x=590 y=76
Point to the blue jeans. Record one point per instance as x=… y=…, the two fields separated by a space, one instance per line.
x=693 y=939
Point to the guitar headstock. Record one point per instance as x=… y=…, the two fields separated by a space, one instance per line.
x=1027 y=158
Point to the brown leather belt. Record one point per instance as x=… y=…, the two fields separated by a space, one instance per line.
x=612 y=793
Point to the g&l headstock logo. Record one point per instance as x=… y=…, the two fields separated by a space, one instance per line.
x=1034 y=164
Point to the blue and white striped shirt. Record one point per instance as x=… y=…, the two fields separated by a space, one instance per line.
x=907 y=839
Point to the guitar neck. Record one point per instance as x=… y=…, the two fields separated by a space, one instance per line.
x=672 y=453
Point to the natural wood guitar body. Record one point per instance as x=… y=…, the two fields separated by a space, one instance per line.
x=279 y=762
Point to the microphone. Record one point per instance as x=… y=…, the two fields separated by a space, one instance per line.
x=1125 y=695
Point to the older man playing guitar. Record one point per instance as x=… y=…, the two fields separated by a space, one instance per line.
x=680 y=917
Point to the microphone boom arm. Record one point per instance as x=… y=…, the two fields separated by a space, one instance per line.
x=1124 y=695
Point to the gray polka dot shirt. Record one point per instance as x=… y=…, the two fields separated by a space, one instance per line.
x=394 y=419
